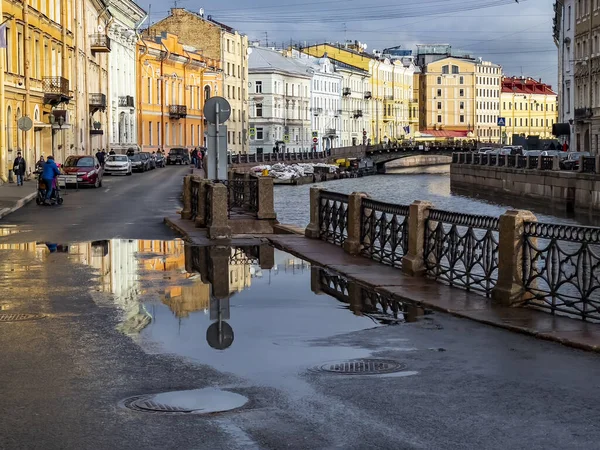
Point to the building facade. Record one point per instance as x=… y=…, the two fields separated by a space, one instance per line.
x=280 y=96
x=174 y=81
x=564 y=38
x=529 y=106
x=127 y=16
x=488 y=82
x=36 y=79
x=356 y=116
x=217 y=42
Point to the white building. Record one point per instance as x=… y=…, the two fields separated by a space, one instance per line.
x=279 y=103
x=488 y=83
x=356 y=114
x=325 y=101
x=564 y=38
x=122 y=102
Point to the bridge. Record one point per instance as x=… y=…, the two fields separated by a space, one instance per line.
x=380 y=154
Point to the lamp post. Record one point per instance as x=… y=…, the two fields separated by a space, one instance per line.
x=60 y=120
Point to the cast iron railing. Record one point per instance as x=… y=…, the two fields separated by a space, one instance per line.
x=333 y=217
x=533 y=162
x=242 y=195
x=588 y=164
x=561 y=269
x=511 y=161
x=384 y=231
x=208 y=205
x=55 y=86
x=195 y=195
x=493 y=160
x=502 y=160
x=547 y=162
x=462 y=250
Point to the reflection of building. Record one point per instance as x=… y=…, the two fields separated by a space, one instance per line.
x=239 y=271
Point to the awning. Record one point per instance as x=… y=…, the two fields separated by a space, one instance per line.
x=445 y=133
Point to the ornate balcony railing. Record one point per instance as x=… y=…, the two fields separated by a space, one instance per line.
x=56 y=90
x=97 y=101
x=358 y=113
x=177 y=111
x=368 y=95
x=126 y=101
x=347 y=91
x=333 y=217
x=583 y=113
x=99 y=43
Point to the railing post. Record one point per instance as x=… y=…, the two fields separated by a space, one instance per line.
x=201 y=215
x=313 y=230
x=266 y=202
x=413 y=263
x=540 y=162
x=509 y=289
x=218 y=228
x=247 y=178
x=352 y=244
x=597 y=166
x=555 y=163
x=186 y=213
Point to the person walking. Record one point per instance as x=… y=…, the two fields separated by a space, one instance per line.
x=49 y=173
x=19 y=168
x=100 y=157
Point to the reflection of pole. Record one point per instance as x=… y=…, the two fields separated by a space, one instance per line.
x=217 y=140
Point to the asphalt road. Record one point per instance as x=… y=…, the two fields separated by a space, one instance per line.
x=62 y=379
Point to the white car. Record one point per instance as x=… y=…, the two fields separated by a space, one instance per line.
x=117 y=164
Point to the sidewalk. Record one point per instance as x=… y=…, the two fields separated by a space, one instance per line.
x=13 y=197
x=416 y=290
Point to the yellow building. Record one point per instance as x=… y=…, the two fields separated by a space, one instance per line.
x=37 y=75
x=391 y=88
x=529 y=107
x=174 y=80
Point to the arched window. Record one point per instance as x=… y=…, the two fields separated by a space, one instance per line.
x=206 y=92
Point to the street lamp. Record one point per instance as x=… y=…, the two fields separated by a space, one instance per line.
x=60 y=121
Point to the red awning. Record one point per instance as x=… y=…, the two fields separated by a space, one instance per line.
x=445 y=133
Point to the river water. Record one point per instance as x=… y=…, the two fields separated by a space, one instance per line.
x=403 y=187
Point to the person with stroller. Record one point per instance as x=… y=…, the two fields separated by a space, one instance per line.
x=39 y=166
x=49 y=174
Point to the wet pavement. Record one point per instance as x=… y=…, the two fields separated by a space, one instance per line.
x=147 y=342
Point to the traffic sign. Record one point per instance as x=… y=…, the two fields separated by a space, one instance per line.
x=286 y=138
x=364 y=132
x=25 y=123
x=315 y=134
x=219 y=335
x=210 y=110
x=501 y=121
x=252 y=132
x=315 y=140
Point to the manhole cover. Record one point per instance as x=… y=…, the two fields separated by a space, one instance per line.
x=361 y=367
x=20 y=317
x=197 y=401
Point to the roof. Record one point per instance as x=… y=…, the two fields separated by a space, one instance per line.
x=444 y=133
x=343 y=65
x=520 y=85
x=264 y=59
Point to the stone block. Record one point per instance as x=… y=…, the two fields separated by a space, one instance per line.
x=186 y=212
x=313 y=230
x=218 y=228
x=413 y=262
x=352 y=244
x=266 y=202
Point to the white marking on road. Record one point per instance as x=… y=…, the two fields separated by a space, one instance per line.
x=107 y=190
x=242 y=439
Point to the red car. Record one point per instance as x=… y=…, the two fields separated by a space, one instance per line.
x=86 y=170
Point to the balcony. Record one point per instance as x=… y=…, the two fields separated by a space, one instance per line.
x=368 y=95
x=97 y=102
x=126 y=101
x=388 y=98
x=583 y=113
x=317 y=111
x=56 y=90
x=347 y=91
x=330 y=132
x=338 y=113
x=177 y=111
x=100 y=43
x=358 y=113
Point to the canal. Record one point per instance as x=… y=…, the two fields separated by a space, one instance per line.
x=402 y=187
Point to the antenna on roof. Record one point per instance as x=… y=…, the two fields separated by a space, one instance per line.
x=266 y=39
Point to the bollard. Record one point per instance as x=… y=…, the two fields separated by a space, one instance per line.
x=555 y=163
x=186 y=213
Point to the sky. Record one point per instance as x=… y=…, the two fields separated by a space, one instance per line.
x=517 y=34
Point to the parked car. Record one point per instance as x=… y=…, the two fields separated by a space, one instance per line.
x=86 y=168
x=160 y=160
x=139 y=163
x=493 y=151
x=484 y=149
x=532 y=153
x=571 y=162
x=178 y=155
x=511 y=150
x=151 y=160
x=117 y=164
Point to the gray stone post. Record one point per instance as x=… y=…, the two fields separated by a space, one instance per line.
x=413 y=263
x=509 y=288
x=539 y=162
x=313 y=230
x=555 y=163
x=218 y=228
x=597 y=167
x=247 y=178
x=580 y=169
x=186 y=213
x=266 y=256
x=266 y=202
x=202 y=191
x=352 y=244
x=527 y=162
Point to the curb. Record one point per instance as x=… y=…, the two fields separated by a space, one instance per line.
x=18 y=205
x=173 y=225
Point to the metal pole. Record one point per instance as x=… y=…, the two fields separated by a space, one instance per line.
x=217 y=141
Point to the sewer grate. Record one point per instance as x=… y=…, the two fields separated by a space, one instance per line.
x=20 y=317
x=361 y=367
x=143 y=403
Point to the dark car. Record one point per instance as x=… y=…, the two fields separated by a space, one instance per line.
x=160 y=160
x=85 y=168
x=151 y=160
x=178 y=156
x=571 y=162
x=139 y=162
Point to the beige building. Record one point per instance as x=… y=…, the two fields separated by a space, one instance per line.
x=488 y=81
x=219 y=42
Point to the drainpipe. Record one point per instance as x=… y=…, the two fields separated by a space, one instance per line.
x=137 y=78
x=26 y=144
x=185 y=66
x=108 y=118
x=162 y=88
x=3 y=150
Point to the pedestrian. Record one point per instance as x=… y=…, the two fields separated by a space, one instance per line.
x=100 y=157
x=200 y=161
x=39 y=166
x=49 y=174
x=194 y=157
x=112 y=152
x=565 y=147
x=19 y=168
x=551 y=146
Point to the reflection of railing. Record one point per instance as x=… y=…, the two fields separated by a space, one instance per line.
x=384 y=233
x=333 y=217
x=462 y=250
x=561 y=268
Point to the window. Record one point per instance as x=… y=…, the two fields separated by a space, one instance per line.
x=462 y=119
x=445 y=70
x=439 y=80
x=461 y=80
x=149 y=90
x=439 y=92
x=150 y=133
x=462 y=105
x=439 y=119
x=38 y=68
x=259 y=134
x=259 y=87
x=439 y=105
x=259 y=110
x=20 y=50
x=8 y=51
x=206 y=92
x=569 y=18
x=455 y=70
x=461 y=93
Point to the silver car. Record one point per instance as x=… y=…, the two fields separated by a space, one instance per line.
x=117 y=164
